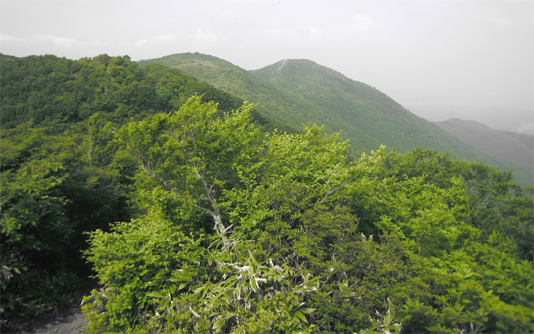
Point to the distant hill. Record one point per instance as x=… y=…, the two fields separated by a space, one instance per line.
x=281 y=105
x=296 y=92
x=504 y=144
x=53 y=91
x=369 y=118
x=503 y=118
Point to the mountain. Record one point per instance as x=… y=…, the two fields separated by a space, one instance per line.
x=297 y=92
x=290 y=109
x=54 y=92
x=504 y=144
x=503 y=118
x=295 y=107
x=356 y=108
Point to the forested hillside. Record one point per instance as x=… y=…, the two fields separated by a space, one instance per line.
x=54 y=91
x=245 y=233
x=298 y=92
x=196 y=216
x=63 y=171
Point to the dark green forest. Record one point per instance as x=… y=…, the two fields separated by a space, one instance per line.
x=198 y=214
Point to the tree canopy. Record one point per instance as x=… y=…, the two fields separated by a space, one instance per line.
x=196 y=215
x=272 y=234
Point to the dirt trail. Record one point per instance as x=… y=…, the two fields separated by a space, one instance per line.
x=70 y=321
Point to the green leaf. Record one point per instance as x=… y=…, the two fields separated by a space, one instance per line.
x=155 y=294
x=300 y=316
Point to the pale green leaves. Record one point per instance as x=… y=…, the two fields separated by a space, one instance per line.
x=385 y=324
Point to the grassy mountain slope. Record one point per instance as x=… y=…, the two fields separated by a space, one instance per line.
x=290 y=109
x=356 y=107
x=362 y=107
x=287 y=106
x=507 y=145
x=297 y=92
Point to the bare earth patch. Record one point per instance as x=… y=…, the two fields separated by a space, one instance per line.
x=70 y=320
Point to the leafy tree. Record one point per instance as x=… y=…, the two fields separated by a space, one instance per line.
x=35 y=230
x=194 y=154
x=490 y=191
x=195 y=160
x=282 y=231
x=235 y=230
x=54 y=188
x=32 y=168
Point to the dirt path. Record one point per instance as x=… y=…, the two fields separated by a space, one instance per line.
x=70 y=321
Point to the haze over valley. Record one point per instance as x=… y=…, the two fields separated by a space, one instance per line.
x=506 y=118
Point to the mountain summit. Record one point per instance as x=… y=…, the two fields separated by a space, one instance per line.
x=362 y=112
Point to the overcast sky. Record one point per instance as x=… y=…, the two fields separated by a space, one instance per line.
x=429 y=52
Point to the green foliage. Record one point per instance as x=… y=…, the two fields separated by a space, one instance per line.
x=284 y=214
x=217 y=165
x=364 y=275
x=134 y=260
x=35 y=230
x=490 y=201
x=63 y=169
x=489 y=291
x=56 y=91
x=54 y=187
x=30 y=291
x=294 y=187
x=224 y=229
x=273 y=102
x=384 y=325
x=28 y=183
x=193 y=154
x=257 y=297
x=476 y=258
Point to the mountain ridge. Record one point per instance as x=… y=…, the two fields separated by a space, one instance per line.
x=505 y=144
x=297 y=92
x=221 y=74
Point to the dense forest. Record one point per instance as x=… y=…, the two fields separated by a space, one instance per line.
x=63 y=170
x=198 y=214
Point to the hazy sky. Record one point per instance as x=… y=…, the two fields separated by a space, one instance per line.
x=427 y=52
